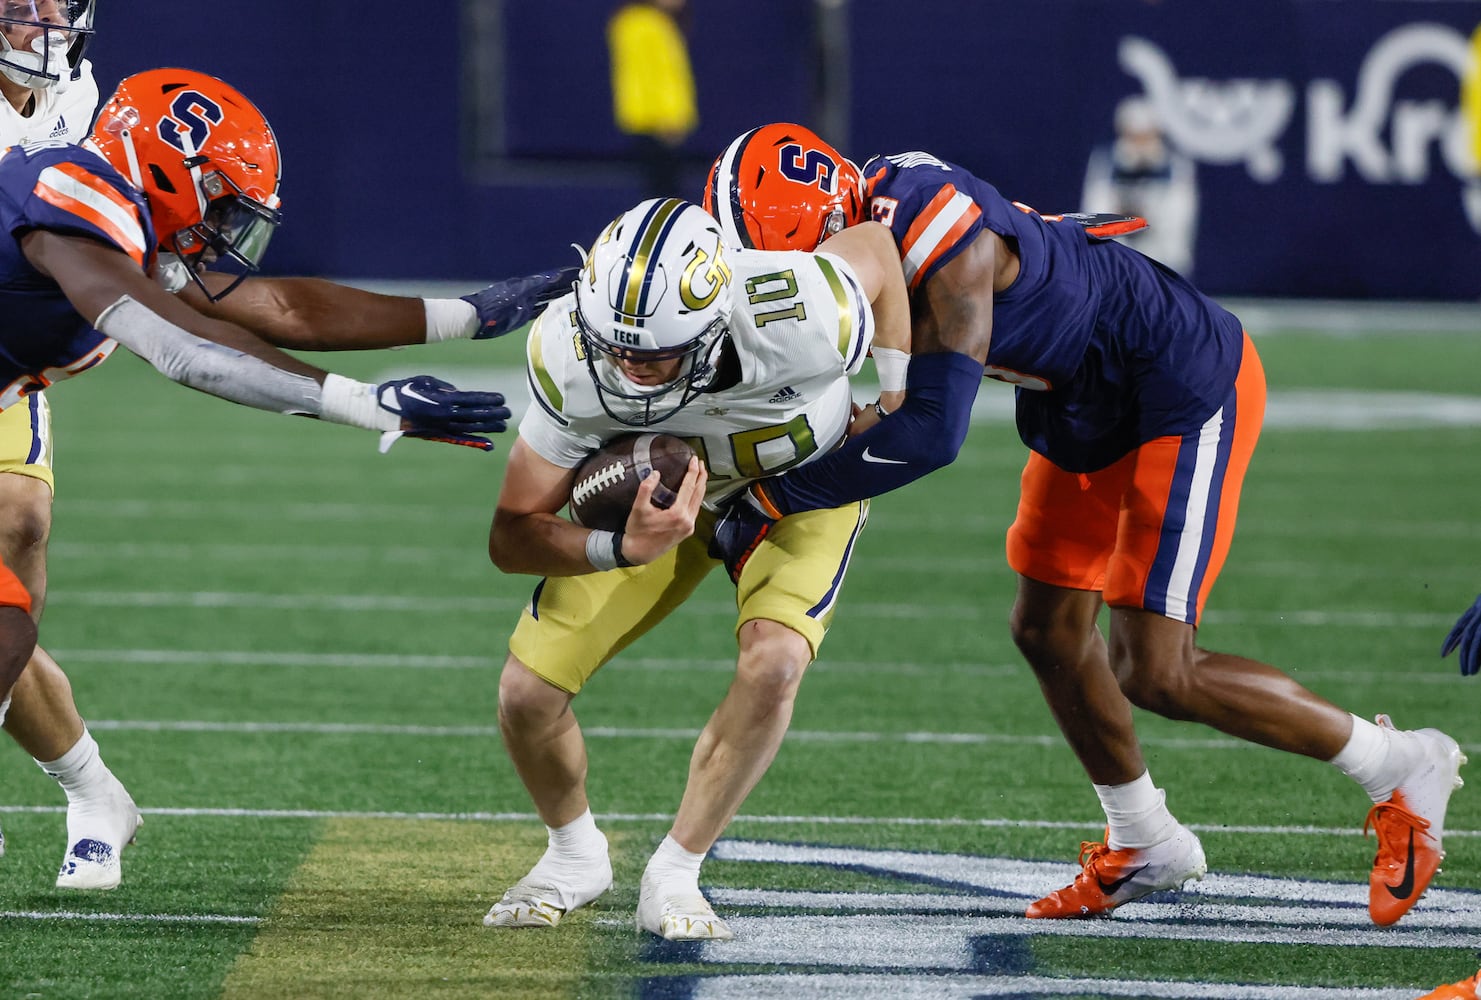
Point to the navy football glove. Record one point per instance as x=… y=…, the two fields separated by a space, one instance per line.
x=437 y=411
x=509 y=304
x=740 y=529
x=1466 y=635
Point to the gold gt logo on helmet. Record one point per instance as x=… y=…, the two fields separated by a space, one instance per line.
x=717 y=276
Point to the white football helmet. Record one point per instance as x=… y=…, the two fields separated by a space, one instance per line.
x=42 y=41
x=653 y=292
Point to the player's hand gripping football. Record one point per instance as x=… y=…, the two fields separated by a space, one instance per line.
x=1465 y=635
x=652 y=530
x=741 y=528
x=509 y=304
x=434 y=410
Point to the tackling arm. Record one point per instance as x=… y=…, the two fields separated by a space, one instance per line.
x=225 y=360
x=310 y=314
x=952 y=329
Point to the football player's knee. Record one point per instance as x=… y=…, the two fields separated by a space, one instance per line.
x=526 y=701
x=1048 y=645
x=1163 y=691
x=26 y=524
x=772 y=661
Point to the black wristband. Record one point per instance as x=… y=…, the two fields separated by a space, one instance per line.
x=617 y=555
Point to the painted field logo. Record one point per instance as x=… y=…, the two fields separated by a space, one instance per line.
x=956 y=930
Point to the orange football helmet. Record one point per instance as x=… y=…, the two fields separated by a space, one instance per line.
x=780 y=187
x=207 y=162
x=42 y=41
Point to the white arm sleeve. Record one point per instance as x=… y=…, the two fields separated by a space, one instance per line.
x=226 y=372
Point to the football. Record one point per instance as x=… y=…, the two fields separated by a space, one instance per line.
x=607 y=481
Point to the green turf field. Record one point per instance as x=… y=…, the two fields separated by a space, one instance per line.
x=288 y=648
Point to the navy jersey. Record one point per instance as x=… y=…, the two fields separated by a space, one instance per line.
x=1107 y=348
x=65 y=189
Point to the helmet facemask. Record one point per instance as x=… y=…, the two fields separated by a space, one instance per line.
x=50 y=37
x=234 y=231
x=639 y=405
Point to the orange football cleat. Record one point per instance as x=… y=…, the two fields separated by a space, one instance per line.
x=1463 y=990
x=1410 y=827
x=1109 y=878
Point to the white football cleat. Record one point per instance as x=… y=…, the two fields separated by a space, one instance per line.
x=98 y=829
x=2 y=843
x=679 y=916
x=542 y=897
x=1411 y=826
x=1109 y=877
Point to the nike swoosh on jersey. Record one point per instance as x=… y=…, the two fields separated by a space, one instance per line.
x=1109 y=888
x=1405 y=888
x=882 y=461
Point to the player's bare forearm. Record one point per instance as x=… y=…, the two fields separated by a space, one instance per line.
x=870 y=250
x=94 y=276
x=538 y=544
x=528 y=535
x=310 y=314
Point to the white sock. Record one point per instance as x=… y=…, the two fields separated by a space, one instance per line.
x=575 y=862
x=579 y=838
x=1136 y=813
x=80 y=771
x=1376 y=757
x=672 y=866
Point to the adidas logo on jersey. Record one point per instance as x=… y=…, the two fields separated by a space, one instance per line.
x=786 y=395
x=59 y=129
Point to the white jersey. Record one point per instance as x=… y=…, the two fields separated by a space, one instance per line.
x=799 y=324
x=65 y=117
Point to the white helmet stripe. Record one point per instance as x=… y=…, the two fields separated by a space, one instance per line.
x=725 y=195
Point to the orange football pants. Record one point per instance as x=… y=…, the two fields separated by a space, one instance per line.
x=1153 y=529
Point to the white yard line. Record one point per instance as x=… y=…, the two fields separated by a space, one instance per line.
x=145 y=918
x=929 y=822
x=633 y=733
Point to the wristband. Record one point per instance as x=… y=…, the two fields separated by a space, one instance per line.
x=345 y=401
x=879 y=409
x=450 y=319
x=604 y=550
x=622 y=561
x=890 y=366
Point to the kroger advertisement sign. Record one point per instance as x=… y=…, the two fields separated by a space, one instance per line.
x=1327 y=139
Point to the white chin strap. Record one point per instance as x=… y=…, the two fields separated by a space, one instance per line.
x=44 y=67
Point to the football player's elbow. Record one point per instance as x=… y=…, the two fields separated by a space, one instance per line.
x=501 y=552
x=942 y=445
x=939 y=451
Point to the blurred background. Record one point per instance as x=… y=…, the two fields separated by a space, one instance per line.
x=1324 y=142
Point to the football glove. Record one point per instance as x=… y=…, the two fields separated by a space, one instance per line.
x=741 y=528
x=509 y=304
x=466 y=440
x=437 y=411
x=1465 y=635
